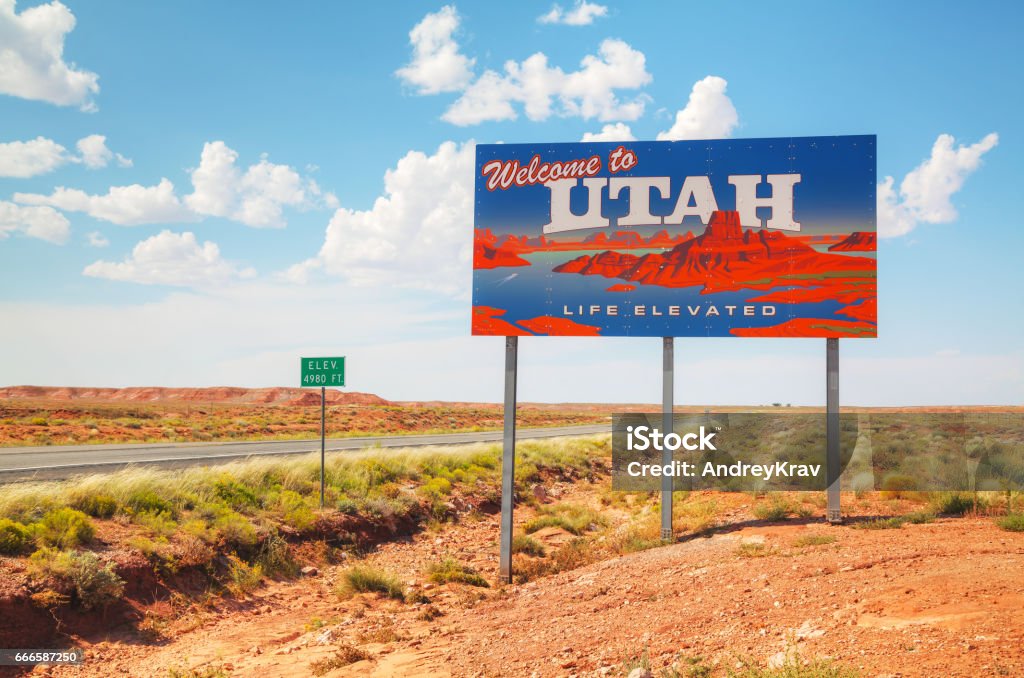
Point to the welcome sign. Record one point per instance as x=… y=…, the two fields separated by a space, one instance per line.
x=735 y=237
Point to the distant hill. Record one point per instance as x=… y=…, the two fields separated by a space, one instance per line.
x=277 y=395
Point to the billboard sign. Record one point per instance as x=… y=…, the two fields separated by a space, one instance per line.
x=733 y=237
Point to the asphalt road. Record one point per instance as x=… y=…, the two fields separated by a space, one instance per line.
x=57 y=462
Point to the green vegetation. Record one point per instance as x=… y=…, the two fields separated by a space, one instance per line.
x=1013 y=522
x=920 y=517
x=63 y=528
x=572 y=518
x=954 y=503
x=366 y=579
x=754 y=550
x=893 y=523
x=775 y=510
x=522 y=543
x=345 y=655
x=95 y=584
x=794 y=667
x=450 y=570
x=15 y=538
x=814 y=540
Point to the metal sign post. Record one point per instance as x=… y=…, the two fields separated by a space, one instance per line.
x=322 y=372
x=667 y=426
x=508 y=459
x=323 y=440
x=832 y=461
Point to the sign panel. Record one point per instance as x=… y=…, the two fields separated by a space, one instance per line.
x=323 y=371
x=734 y=237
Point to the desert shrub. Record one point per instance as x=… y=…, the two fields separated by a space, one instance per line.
x=95 y=583
x=450 y=570
x=895 y=486
x=64 y=528
x=158 y=524
x=953 y=503
x=244 y=578
x=234 y=529
x=572 y=518
x=920 y=517
x=522 y=543
x=794 y=667
x=15 y=538
x=694 y=516
x=573 y=554
x=893 y=523
x=148 y=500
x=96 y=505
x=39 y=421
x=774 y=511
x=1013 y=522
x=235 y=494
x=345 y=655
x=366 y=579
x=814 y=540
x=295 y=511
x=275 y=557
x=754 y=550
x=435 y=488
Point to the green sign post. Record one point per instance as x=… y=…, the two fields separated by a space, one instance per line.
x=323 y=372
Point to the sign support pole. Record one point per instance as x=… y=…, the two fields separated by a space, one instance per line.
x=508 y=459
x=667 y=426
x=832 y=460
x=323 y=440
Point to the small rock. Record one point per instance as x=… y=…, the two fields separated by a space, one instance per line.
x=324 y=637
x=539 y=493
x=640 y=673
x=309 y=571
x=255 y=649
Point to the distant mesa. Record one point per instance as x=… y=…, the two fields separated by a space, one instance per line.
x=857 y=241
x=488 y=253
x=559 y=327
x=493 y=251
x=619 y=287
x=280 y=395
x=487 y=322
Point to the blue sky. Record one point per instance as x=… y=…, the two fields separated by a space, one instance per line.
x=367 y=148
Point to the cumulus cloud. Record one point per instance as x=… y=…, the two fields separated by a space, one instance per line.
x=926 y=191
x=97 y=239
x=95 y=154
x=23 y=159
x=124 y=205
x=589 y=92
x=171 y=259
x=44 y=223
x=582 y=14
x=437 y=65
x=617 y=132
x=255 y=197
x=416 y=235
x=32 y=62
x=708 y=114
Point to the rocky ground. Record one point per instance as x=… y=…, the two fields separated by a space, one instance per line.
x=941 y=598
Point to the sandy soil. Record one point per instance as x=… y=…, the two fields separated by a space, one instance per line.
x=944 y=598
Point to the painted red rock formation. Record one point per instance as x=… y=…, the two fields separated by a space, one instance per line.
x=724 y=257
x=620 y=287
x=857 y=241
x=547 y=324
x=485 y=321
x=489 y=253
x=810 y=327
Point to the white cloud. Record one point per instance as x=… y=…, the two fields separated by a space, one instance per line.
x=437 y=65
x=97 y=239
x=95 y=154
x=124 y=205
x=416 y=235
x=589 y=92
x=32 y=62
x=23 y=159
x=616 y=132
x=926 y=191
x=709 y=113
x=255 y=197
x=44 y=223
x=583 y=14
x=171 y=259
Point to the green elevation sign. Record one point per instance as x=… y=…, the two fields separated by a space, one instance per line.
x=323 y=371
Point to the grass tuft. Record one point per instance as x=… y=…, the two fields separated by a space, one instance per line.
x=450 y=570
x=522 y=543
x=1012 y=523
x=366 y=579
